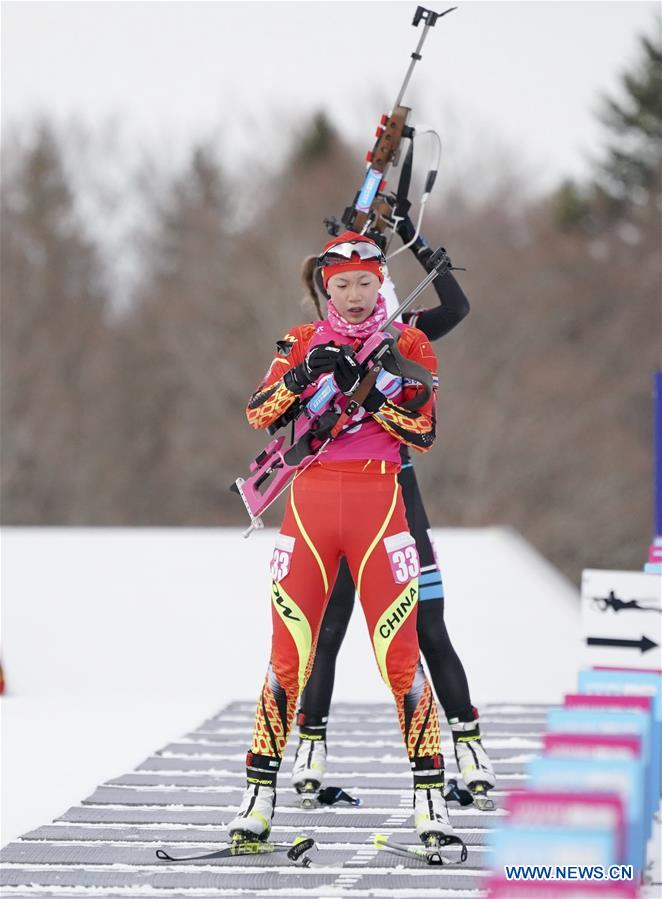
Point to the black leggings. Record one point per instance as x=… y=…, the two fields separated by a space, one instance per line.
x=444 y=665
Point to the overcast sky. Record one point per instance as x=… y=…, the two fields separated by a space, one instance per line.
x=527 y=74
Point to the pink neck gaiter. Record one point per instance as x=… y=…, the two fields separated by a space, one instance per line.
x=362 y=329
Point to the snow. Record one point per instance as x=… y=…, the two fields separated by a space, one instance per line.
x=54 y=753
x=117 y=641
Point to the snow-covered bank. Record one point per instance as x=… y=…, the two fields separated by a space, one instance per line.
x=103 y=611
x=115 y=641
x=56 y=751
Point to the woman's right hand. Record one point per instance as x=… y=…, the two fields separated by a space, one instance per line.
x=318 y=361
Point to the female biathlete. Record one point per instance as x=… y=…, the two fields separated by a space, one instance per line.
x=348 y=503
x=446 y=670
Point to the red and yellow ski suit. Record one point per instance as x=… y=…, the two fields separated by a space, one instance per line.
x=342 y=505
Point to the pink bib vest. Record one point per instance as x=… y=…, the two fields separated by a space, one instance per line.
x=367 y=439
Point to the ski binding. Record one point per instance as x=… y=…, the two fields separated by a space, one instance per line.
x=456 y=790
x=480 y=797
x=308 y=793
x=429 y=852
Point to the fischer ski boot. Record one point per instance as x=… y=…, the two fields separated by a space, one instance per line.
x=253 y=820
x=309 y=769
x=473 y=762
x=431 y=818
x=310 y=759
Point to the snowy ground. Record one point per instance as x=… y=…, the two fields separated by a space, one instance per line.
x=55 y=752
x=181 y=798
x=118 y=641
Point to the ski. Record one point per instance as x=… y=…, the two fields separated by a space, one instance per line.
x=429 y=853
x=295 y=851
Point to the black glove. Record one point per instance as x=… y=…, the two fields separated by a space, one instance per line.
x=406 y=229
x=348 y=372
x=374 y=400
x=321 y=359
x=318 y=361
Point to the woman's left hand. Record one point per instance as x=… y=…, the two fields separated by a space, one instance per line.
x=348 y=372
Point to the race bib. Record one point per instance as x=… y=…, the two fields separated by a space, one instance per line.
x=402 y=556
x=282 y=557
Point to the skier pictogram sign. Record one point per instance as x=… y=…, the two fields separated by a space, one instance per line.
x=622 y=619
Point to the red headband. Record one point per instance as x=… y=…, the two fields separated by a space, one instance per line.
x=354 y=262
x=354 y=265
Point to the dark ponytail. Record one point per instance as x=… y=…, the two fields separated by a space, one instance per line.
x=312 y=281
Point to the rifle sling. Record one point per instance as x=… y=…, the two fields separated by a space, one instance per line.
x=397 y=364
x=402 y=193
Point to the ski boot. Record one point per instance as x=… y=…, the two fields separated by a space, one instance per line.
x=310 y=760
x=431 y=818
x=434 y=828
x=473 y=762
x=253 y=820
x=308 y=770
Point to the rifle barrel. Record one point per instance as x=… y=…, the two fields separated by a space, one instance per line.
x=415 y=56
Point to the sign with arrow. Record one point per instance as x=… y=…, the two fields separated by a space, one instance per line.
x=644 y=644
x=622 y=619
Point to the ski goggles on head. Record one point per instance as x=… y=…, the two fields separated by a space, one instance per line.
x=343 y=252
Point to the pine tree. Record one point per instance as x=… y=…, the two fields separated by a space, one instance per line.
x=631 y=171
x=571 y=207
x=627 y=177
x=317 y=141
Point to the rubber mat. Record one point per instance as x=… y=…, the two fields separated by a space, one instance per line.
x=182 y=796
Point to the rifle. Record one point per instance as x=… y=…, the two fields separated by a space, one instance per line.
x=372 y=212
x=315 y=422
